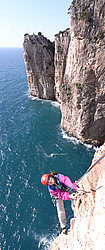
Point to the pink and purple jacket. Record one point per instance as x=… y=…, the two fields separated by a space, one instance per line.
x=63 y=195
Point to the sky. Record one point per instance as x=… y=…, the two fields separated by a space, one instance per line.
x=18 y=17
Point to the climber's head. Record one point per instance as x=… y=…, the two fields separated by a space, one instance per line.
x=44 y=179
x=48 y=179
x=51 y=180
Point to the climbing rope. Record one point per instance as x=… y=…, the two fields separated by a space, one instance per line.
x=88 y=170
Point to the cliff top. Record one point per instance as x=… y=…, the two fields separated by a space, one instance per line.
x=39 y=38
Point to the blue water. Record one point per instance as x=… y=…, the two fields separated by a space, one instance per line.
x=31 y=143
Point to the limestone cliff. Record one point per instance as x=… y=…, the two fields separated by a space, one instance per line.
x=38 y=54
x=87 y=229
x=80 y=72
x=62 y=41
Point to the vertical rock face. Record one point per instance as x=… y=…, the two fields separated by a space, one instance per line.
x=87 y=231
x=62 y=41
x=38 y=54
x=80 y=72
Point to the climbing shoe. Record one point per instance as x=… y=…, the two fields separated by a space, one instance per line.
x=64 y=231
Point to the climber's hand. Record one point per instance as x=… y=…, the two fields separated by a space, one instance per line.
x=73 y=196
x=80 y=191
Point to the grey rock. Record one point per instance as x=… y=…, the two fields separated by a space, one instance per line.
x=80 y=72
x=38 y=54
x=75 y=75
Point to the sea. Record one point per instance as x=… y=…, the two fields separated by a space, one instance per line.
x=32 y=143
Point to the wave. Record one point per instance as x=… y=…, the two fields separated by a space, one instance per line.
x=34 y=98
x=2 y=155
x=44 y=241
x=68 y=137
x=56 y=104
x=54 y=154
x=74 y=140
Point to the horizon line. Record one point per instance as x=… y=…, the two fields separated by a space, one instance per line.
x=1 y=47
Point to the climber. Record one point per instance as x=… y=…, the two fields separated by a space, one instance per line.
x=59 y=187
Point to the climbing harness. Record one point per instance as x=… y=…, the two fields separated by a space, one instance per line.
x=60 y=185
x=88 y=170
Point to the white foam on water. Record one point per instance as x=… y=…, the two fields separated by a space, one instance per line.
x=33 y=98
x=44 y=241
x=3 y=208
x=69 y=137
x=41 y=150
x=8 y=193
x=26 y=183
x=12 y=121
x=54 y=154
x=76 y=141
x=89 y=146
x=22 y=107
x=56 y=104
x=9 y=149
x=2 y=155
